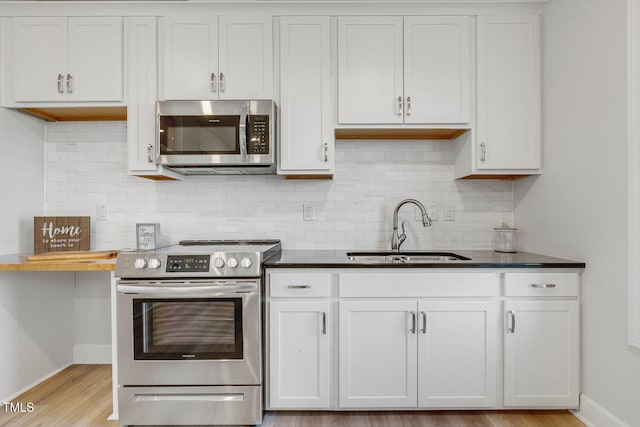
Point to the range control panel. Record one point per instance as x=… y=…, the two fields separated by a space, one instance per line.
x=188 y=263
x=217 y=264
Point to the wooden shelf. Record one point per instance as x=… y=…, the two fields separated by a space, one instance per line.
x=386 y=134
x=78 y=114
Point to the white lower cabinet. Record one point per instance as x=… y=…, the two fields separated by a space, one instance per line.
x=427 y=354
x=541 y=340
x=299 y=339
x=541 y=354
x=378 y=354
x=384 y=339
x=299 y=354
x=457 y=354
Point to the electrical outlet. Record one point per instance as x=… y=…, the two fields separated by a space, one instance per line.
x=101 y=211
x=432 y=211
x=308 y=212
x=449 y=211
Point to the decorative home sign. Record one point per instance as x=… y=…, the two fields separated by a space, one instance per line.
x=61 y=233
x=147 y=236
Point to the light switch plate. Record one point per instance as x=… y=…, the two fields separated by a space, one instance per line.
x=308 y=212
x=449 y=212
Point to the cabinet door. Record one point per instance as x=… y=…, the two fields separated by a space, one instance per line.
x=436 y=69
x=370 y=70
x=457 y=350
x=509 y=97
x=95 y=50
x=190 y=57
x=299 y=336
x=245 y=58
x=306 y=134
x=40 y=55
x=541 y=360
x=378 y=354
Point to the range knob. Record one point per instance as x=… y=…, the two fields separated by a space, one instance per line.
x=140 y=263
x=218 y=263
x=246 y=262
x=154 y=263
x=232 y=262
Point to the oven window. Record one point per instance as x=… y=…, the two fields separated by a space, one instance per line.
x=199 y=135
x=179 y=329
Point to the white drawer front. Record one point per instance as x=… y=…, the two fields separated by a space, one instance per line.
x=419 y=285
x=299 y=284
x=541 y=284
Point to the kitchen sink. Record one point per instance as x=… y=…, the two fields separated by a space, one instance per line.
x=405 y=257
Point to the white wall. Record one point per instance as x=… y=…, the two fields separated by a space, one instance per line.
x=37 y=327
x=577 y=208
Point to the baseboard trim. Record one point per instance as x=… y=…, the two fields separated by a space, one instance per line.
x=92 y=354
x=593 y=414
x=35 y=383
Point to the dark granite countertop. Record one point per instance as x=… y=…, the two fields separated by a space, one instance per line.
x=478 y=259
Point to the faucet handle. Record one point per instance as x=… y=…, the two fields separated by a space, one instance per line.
x=402 y=237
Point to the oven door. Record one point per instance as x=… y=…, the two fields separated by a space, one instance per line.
x=197 y=332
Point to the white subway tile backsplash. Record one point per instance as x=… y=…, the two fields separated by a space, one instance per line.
x=86 y=165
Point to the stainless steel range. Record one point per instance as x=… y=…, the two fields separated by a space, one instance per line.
x=189 y=334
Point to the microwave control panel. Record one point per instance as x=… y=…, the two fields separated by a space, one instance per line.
x=258 y=129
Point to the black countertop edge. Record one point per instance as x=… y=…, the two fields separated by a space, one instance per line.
x=478 y=259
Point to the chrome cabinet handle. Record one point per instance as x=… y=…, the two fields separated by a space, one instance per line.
x=299 y=286
x=483 y=152
x=212 y=81
x=60 y=79
x=324 y=323
x=408 y=105
x=400 y=106
x=413 y=322
x=149 y=153
x=326 y=152
x=512 y=322
x=424 y=321
x=69 y=89
x=543 y=285
x=222 y=82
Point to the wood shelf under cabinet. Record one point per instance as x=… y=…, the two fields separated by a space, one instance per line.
x=75 y=114
x=390 y=134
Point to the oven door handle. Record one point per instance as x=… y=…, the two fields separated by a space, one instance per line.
x=213 y=290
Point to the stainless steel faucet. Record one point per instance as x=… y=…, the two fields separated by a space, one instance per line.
x=397 y=240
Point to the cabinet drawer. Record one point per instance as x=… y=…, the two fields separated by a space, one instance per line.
x=419 y=285
x=541 y=284
x=299 y=284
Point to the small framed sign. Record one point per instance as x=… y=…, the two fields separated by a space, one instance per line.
x=147 y=236
x=61 y=233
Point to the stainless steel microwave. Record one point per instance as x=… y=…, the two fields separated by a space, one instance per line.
x=217 y=137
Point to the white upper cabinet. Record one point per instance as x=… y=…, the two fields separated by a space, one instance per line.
x=506 y=140
x=225 y=57
x=509 y=92
x=412 y=70
x=370 y=70
x=436 y=69
x=306 y=133
x=75 y=59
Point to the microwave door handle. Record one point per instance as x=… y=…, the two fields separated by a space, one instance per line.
x=244 y=135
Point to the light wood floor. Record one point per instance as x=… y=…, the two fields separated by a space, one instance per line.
x=80 y=396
